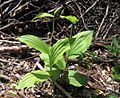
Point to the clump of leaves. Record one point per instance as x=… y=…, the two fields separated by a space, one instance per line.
x=112 y=95
x=114 y=48
x=55 y=56
x=55 y=59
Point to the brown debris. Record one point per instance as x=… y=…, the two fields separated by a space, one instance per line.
x=102 y=16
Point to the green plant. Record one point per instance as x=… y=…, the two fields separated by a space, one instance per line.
x=112 y=95
x=54 y=16
x=55 y=58
x=114 y=48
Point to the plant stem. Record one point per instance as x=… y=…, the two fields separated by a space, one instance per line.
x=65 y=71
x=71 y=30
x=62 y=89
x=53 y=25
x=53 y=30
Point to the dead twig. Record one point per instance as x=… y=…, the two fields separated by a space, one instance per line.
x=27 y=14
x=19 y=9
x=110 y=27
x=90 y=7
x=106 y=13
x=6 y=2
x=9 y=62
x=81 y=15
x=12 y=42
x=6 y=26
x=14 y=49
x=37 y=64
x=5 y=77
x=12 y=24
x=17 y=5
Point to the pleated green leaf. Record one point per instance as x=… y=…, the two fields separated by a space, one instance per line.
x=45 y=58
x=33 y=77
x=54 y=73
x=61 y=63
x=71 y=18
x=79 y=43
x=76 y=78
x=42 y=15
x=57 y=10
x=34 y=42
x=58 y=49
x=115 y=72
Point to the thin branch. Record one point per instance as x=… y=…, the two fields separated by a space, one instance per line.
x=17 y=5
x=14 y=24
x=81 y=15
x=14 y=49
x=6 y=26
x=19 y=8
x=6 y=2
x=106 y=13
x=110 y=27
x=12 y=42
x=9 y=62
x=90 y=7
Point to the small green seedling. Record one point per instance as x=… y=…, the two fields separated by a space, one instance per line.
x=54 y=16
x=112 y=95
x=55 y=59
x=114 y=48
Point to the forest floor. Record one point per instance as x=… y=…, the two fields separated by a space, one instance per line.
x=16 y=59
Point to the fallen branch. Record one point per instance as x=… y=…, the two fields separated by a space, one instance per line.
x=14 y=49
